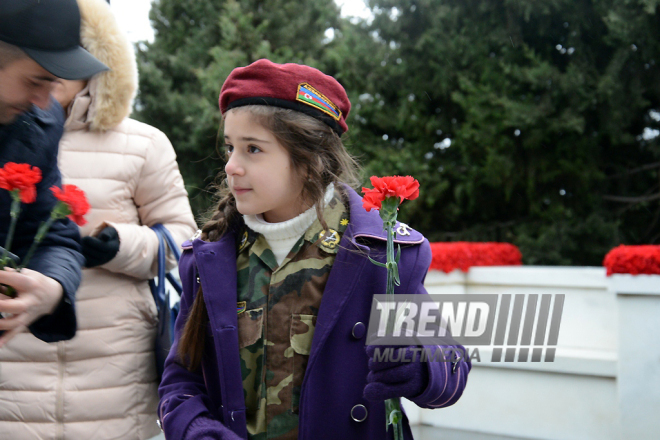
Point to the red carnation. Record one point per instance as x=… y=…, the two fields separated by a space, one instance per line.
x=75 y=200
x=20 y=177
x=403 y=187
x=372 y=199
x=634 y=260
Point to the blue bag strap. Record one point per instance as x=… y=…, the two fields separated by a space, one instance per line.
x=159 y=292
x=175 y=283
x=174 y=247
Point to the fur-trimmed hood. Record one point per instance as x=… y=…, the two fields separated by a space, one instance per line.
x=108 y=99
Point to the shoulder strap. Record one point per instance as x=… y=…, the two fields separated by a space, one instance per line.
x=158 y=289
x=174 y=247
x=158 y=285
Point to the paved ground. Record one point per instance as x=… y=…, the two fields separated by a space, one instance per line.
x=421 y=432
x=431 y=433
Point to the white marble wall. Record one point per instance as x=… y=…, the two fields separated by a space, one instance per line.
x=605 y=380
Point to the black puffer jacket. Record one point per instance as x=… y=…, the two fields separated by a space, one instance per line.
x=33 y=138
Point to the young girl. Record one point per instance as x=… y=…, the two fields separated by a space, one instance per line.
x=270 y=342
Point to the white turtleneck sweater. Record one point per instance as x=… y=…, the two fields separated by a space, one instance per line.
x=282 y=236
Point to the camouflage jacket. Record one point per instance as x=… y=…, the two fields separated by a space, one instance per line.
x=277 y=308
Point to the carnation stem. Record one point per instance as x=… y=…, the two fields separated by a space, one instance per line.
x=393 y=414
x=15 y=211
x=41 y=232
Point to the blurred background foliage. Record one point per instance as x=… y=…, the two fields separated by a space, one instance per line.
x=533 y=122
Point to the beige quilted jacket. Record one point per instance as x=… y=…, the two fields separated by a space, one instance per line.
x=102 y=384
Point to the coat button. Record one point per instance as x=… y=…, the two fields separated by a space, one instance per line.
x=359 y=330
x=359 y=413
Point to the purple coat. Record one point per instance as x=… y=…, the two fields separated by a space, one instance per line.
x=338 y=364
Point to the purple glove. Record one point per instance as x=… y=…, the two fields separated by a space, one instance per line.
x=206 y=428
x=395 y=379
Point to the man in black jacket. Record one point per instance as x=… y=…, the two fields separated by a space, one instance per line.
x=39 y=42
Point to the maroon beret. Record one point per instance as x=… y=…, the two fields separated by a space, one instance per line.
x=292 y=86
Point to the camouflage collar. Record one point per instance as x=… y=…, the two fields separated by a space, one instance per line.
x=245 y=239
x=337 y=218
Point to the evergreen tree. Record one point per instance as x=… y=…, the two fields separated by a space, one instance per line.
x=523 y=120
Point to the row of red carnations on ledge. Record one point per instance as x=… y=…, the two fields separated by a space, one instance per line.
x=635 y=260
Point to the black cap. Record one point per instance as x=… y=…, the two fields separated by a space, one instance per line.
x=48 y=31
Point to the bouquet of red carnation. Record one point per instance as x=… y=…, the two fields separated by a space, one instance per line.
x=21 y=181
x=386 y=196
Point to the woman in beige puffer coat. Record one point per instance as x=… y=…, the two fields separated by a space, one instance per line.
x=102 y=384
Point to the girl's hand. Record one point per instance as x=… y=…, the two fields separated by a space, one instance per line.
x=387 y=380
x=205 y=427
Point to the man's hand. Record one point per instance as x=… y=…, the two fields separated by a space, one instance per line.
x=37 y=296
